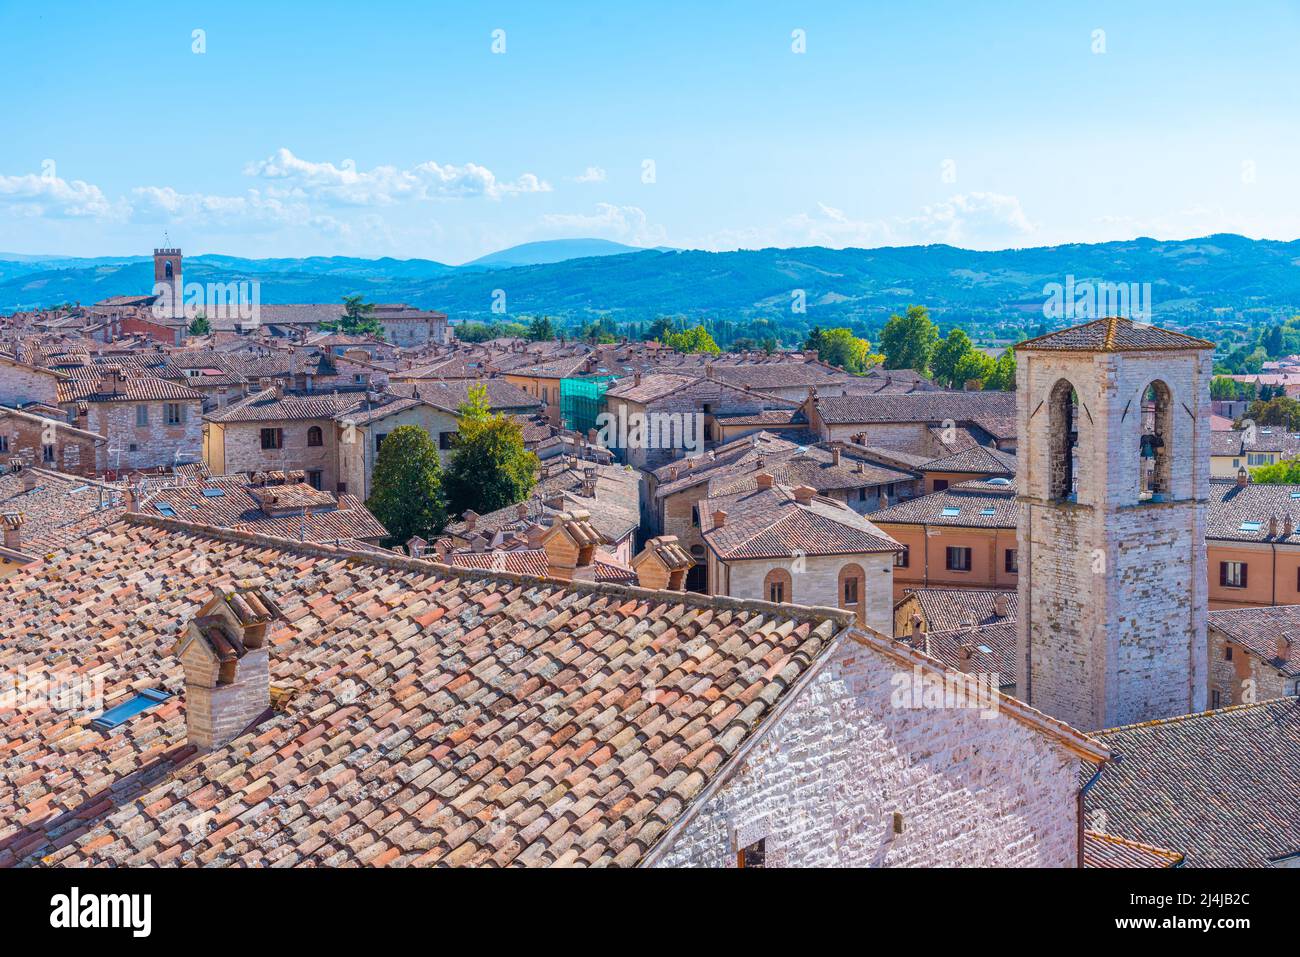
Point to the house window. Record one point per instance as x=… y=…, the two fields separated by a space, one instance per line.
x=141 y=416
x=315 y=437
x=697 y=579
x=754 y=855
x=900 y=558
x=313 y=478
x=940 y=484
x=47 y=454
x=546 y=397
x=1012 y=564
x=862 y=495
x=446 y=440
x=1232 y=574
x=4 y=443
x=343 y=488
x=273 y=438
x=1227 y=653
x=777 y=586
x=175 y=413
x=851 y=591
x=958 y=559
x=695 y=516
x=1215 y=699
x=379 y=440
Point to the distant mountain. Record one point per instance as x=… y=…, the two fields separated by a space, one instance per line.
x=1216 y=280
x=551 y=251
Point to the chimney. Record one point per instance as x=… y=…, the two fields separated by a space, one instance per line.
x=521 y=510
x=965 y=652
x=13 y=529
x=535 y=533
x=1287 y=527
x=223 y=651
x=1283 y=640
x=916 y=626
x=1243 y=478
x=29 y=479
x=764 y=479
x=1001 y=605
x=1272 y=526
x=471 y=517
x=803 y=494
x=110 y=380
x=835 y=456
x=415 y=546
x=719 y=518
x=636 y=378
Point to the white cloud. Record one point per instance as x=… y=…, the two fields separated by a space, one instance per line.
x=972 y=218
x=625 y=223
x=592 y=174
x=345 y=185
x=49 y=195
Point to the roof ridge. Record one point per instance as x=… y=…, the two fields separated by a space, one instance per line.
x=1137 y=845
x=810 y=613
x=1209 y=712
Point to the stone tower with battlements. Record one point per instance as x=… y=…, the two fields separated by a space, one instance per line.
x=1113 y=475
x=167 y=282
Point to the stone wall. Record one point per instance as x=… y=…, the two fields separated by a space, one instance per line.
x=823 y=785
x=147 y=446
x=815 y=580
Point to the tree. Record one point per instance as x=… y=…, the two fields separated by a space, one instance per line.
x=841 y=348
x=908 y=341
x=1221 y=387
x=816 y=340
x=199 y=325
x=358 y=319
x=1286 y=472
x=541 y=329
x=695 y=339
x=1280 y=410
x=1003 y=374
x=489 y=467
x=943 y=365
x=1272 y=342
x=974 y=366
x=406 y=494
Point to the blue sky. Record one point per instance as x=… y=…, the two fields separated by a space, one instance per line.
x=394 y=129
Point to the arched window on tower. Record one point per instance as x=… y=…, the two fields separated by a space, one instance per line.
x=1063 y=434
x=167 y=269
x=1154 y=471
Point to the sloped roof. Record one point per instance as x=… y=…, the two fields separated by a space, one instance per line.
x=1220 y=786
x=929 y=407
x=1258 y=629
x=978 y=459
x=1114 y=334
x=968 y=505
x=771 y=523
x=462 y=717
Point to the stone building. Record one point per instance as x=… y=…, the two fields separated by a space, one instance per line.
x=1254 y=654
x=784 y=545
x=1113 y=476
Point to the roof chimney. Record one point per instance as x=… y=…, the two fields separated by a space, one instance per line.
x=835 y=456
x=1287 y=527
x=803 y=494
x=1272 y=526
x=1001 y=605
x=471 y=518
x=1243 y=477
x=719 y=518
x=764 y=479
x=29 y=479
x=13 y=529
x=1284 y=643
x=636 y=378
x=223 y=651
x=415 y=546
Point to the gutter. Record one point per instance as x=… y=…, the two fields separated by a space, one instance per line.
x=1083 y=794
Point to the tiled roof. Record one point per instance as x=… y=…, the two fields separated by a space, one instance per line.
x=451 y=395
x=651 y=387
x=778 y=375
x=1243 y=513
x=962 y=506
x=1106 y=850
x=441 y=716
x=266 y=406
x=811 y=466
x=60 y=509
x=1114 y=334
x=930 y=407
x=1220 y=786
x=694 y=470
x=945 y=609
x=1262 y=631
x=770 y=523
x=132 y=388
x=1267 y=439
x=987 y=649
x=978 y=458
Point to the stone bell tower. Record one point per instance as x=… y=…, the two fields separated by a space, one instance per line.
x=1114 y=432
x=167 y=282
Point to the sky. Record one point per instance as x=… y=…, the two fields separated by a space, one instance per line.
x=447 y=131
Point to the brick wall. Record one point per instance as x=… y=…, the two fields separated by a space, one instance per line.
x=148 y=446
x=823 y=784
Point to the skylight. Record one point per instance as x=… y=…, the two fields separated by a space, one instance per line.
x=146 y=699
x=987 y=511
x=213 y=493
x=951 y=511
x=165 y=509
x=1251 y=526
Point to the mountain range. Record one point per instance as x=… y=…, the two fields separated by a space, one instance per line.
x=1220 y=279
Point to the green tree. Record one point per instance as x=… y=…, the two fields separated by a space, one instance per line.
x=199 y=325
x=841 y=348
x=695 y=339
x=406 y=493
x=943 y=364
x=1221 y=387
x=358 y=319
x=541 y=329
x=974 y=366
x=1279 y=410
x=1286 y=472
x=489 y=467
x=816 y=340
x=656 y=331
x=909 y=340
x=1002 y=376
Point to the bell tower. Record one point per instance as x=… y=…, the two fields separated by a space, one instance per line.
x=167 y=282
x=1114 y=432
